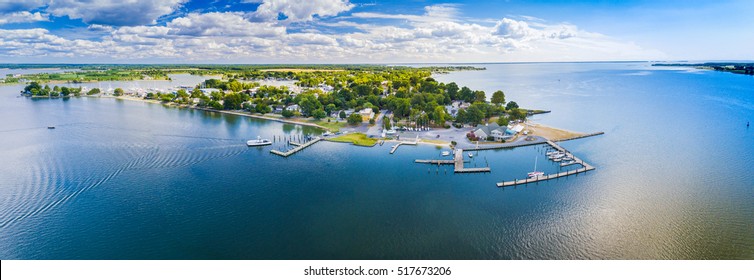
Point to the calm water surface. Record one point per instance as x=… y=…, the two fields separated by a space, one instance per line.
x=129 y=180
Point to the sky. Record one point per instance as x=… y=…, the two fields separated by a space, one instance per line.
x=371 y=31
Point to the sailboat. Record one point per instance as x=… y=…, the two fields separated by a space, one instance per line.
x=535 y=174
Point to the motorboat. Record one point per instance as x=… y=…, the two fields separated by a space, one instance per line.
x=557 y=156
x=445 y=153
x=258 y=142
x=50 y=127
x=471 y=155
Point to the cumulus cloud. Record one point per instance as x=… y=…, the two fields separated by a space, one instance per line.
x=114 y=12
x=295 y=11
x=23 y=16
x=222 y=24
x=439 y=34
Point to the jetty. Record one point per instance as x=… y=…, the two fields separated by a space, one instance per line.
x=585 y=167
x=457 y=163
x=416 y=141
x=298 y=147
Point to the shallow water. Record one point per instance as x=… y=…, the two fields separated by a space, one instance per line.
x=130 y=180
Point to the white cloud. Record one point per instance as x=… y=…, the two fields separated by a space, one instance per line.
x=222 y=24
x=114 y=12
x=300 y=10
x=22 y=17
x=437 y=35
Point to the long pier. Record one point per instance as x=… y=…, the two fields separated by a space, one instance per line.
x=586 y=167
x=457 y=163
x=582 y=136
x=298 y=147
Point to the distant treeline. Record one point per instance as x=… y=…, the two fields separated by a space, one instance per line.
x=746 y=68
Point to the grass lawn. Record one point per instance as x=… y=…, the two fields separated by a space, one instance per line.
x=332 y=125
x=358 y=139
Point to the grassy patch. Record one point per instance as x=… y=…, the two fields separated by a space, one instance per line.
x=358 y=139
x=332 y=125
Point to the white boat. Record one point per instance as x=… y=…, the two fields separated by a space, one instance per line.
x=552 y=153
x=535 y=174
x=258 y=142
x=445 y=153
x=557 y=156
x=471 y=155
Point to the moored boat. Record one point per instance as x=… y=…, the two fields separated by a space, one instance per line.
x=258 y=142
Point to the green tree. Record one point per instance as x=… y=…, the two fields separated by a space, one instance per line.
x=167 y=97
x=232 y=101
x=452 y=90
x=93 y=91
x=118 y=92
x=308 y=103
x=438 y=115
x=503 y=121
x=467 y=94
x=330 y=108
x=474 y=114
x=65 y=91
x=319 y=114
x=479 y=96
x=342 y=114
x=263 y=108
x=287 y=113
x=498 y=97
x=32 y=86
x=517 y=114
x=511 y=105
x=354 y=119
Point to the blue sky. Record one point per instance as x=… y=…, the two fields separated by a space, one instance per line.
x=342 y=31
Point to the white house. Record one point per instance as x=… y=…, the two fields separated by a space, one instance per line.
x=493 y=130
x=366 y=114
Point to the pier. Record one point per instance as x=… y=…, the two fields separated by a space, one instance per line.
x=457 y=163
x=403 y=143
x=586 y=167
x=298 y=147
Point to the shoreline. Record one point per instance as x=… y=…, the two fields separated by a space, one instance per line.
x=216 y=111
x=567 y=134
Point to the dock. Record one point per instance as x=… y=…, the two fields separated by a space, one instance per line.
x=404 y=143
x=298 y=147
x=457 y=163
x=586 y=167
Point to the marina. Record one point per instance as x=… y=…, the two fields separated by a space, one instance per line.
x=298 y=147
x=559 y=152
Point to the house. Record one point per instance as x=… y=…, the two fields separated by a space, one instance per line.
x=294 y=108
x=493 y=130
x=453 y=111
x=278 y=109
x=455 y=106
x=366 y=114
x=347 y=113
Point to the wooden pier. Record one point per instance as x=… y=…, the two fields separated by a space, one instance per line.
x=298 y=147
x=586 y=167
x=457 y=163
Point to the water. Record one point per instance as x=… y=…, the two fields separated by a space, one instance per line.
x=129 y=180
